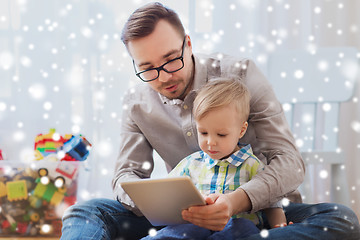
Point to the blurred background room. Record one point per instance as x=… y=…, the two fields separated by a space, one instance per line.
x=63 y=66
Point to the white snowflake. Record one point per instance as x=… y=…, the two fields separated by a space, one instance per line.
x=264 y=233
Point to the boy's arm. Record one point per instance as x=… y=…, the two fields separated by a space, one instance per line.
x=276 y=217
x=220 y=207
x=182 y=169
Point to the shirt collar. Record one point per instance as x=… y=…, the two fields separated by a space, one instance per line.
x=166 y=100
x=235 y=159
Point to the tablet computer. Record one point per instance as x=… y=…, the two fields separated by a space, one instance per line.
x=162 y=200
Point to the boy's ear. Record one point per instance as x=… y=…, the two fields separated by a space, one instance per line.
x=243 y=129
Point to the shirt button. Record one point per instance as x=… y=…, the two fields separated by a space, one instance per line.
x=185 y=107
x=188 y=134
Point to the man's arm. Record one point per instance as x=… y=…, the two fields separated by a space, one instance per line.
x=135 y=158
x=273 y=139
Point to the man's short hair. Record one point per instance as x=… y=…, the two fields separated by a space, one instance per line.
x=221 y=92
x=143 y=20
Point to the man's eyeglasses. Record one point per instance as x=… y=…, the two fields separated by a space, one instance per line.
x=171 y=66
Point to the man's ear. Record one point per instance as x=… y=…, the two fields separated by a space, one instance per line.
x=243 y=129
x=188 y=41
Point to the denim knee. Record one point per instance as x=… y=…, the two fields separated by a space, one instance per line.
x=343 y=219
x=81 y=211
x=349 y=216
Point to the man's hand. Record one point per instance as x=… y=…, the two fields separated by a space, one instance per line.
x=218 y=211
x=214 y=216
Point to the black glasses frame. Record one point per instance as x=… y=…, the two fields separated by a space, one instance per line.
x=158 y=69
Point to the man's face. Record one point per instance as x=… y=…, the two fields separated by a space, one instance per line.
x=162 y=45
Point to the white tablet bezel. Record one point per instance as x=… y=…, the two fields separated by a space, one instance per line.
x=162 y=200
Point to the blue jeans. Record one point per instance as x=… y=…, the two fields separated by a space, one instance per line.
x=234 y=229
x=108 y=219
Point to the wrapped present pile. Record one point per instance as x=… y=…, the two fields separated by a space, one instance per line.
x=33 y=197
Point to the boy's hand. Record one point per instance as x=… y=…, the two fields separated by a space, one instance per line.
x=219 y=209
x=214 y=216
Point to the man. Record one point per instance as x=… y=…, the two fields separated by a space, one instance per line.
x=157 y=115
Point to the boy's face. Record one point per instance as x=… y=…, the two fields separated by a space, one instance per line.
x=162 y=45
x=219 y=131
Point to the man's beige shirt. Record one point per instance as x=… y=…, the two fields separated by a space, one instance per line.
x=150 y=122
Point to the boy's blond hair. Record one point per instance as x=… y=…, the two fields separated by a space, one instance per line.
x=221 y=92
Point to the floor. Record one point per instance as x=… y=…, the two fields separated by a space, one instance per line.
x=26 y=238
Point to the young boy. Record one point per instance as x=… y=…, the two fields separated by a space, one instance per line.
x=221 y=110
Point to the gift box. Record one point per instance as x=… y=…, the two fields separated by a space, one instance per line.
x=33 y=197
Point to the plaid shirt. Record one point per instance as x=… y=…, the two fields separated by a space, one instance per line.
x=221 y=176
